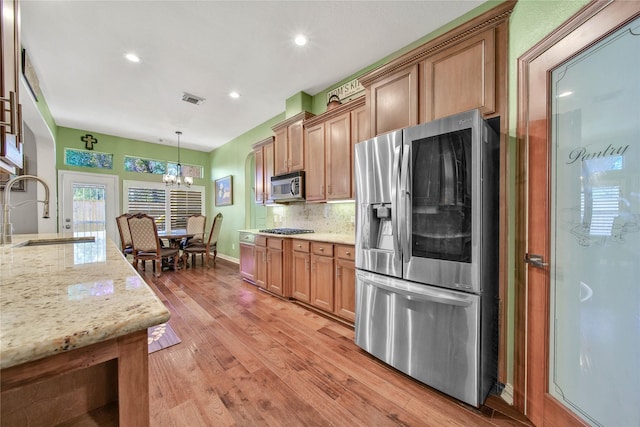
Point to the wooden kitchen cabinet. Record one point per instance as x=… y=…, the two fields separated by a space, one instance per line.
x=301 y=262
x=263 y=152
x=260 y=252
x=315 y=170
x=288 y=144
x=394 y=101
x=345 y=282
x=460 y=70
x=322 y=276
x=329 y=147
x=11 y=150
x=460 y=78
x=338 y=157
x=359 y=133
x=272 y=265
x=247 y=257
x=275 y=266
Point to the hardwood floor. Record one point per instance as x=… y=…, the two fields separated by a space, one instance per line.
x=248 y=358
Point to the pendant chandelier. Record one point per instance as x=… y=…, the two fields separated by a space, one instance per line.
x=177 y=179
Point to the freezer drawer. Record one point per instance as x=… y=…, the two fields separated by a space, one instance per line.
x=431 y=334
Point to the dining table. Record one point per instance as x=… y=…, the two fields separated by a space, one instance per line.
x=174 y=236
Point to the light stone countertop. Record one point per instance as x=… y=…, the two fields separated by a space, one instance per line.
x=60 y=297
x=343 y=239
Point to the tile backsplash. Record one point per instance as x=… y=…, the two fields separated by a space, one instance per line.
x=321 y=217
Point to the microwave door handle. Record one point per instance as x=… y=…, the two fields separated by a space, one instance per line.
x=405 y=200
x=291 y=186
x=395 y=213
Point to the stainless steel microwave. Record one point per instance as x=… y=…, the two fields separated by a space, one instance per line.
x=288 y=188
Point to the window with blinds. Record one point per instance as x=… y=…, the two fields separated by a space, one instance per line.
x=182 y=204
x=150 y=201
x=169 y=206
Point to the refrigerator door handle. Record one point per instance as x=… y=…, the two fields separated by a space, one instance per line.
x=423 y=295
x=394 y=197
x=405 y=199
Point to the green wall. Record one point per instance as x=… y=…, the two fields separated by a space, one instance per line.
x=232 y=159
x=119 y=147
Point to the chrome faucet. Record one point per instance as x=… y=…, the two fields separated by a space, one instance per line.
x=5 y=236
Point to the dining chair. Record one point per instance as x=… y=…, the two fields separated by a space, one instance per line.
x=195 y=228
x=146 y=245
x=125 y=235
x=194 y=248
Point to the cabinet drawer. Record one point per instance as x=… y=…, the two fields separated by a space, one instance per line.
x=346 y=252
x=324 y=249
x=247 y=238
x=300 y=245
x=274 y=243
x=261 y=241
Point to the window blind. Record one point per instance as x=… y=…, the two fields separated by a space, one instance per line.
x=150 y=201
x=182 y=204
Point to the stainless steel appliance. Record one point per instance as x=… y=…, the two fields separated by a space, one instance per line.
x=288 y=188
x=286 y=231
x=427 y=253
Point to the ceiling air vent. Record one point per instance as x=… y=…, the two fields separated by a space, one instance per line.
x=192 y=99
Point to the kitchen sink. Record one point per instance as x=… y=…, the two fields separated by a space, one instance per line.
x=57 y=241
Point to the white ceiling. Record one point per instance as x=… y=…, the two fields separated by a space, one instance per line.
x=207 y=48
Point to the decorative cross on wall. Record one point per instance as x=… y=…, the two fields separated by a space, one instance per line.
x=89 y=140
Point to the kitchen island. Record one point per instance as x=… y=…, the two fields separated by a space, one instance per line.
x=73 y=332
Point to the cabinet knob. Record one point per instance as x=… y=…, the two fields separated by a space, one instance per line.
x=299 y=245
x=348 y=253
x=321 y=249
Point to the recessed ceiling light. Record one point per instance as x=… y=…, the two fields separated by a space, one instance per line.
x=300 y=40
x=234 y=95
x=132 y=57
x=563 y=94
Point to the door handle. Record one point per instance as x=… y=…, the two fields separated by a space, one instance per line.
x=535 y=260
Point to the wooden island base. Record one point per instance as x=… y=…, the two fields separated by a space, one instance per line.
x=109 y=380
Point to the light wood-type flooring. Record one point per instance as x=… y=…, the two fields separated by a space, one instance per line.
x=248 y=358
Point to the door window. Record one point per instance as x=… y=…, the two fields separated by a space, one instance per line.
x=595 y=232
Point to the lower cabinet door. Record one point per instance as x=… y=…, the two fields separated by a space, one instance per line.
x=345 y=289
x=247 y=262
x=275 y=281
x=322 y=282
x=301 y=278
x=260 y=266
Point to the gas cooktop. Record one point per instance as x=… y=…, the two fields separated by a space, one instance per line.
x=286 y=230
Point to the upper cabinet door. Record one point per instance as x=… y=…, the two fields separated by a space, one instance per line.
x=394 y=101
x=338 y=151
x=259 y=176
x=296 y=146
x=11 y=153
x=315 y=172
x=280 y=152
x=459 y=79
x=267 y=156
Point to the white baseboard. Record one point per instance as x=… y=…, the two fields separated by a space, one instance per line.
x=228 y=258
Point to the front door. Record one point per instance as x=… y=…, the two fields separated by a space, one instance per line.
x=583 y=237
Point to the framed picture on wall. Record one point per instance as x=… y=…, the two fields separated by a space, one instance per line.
x=20 y=185
x=224 y=191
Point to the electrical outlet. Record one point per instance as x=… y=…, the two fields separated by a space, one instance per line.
x=353 y=219
x=233 y=246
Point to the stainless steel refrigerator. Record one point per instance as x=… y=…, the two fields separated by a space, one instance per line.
x=427 y=253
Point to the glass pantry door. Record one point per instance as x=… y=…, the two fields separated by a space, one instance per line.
x=594 y=348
